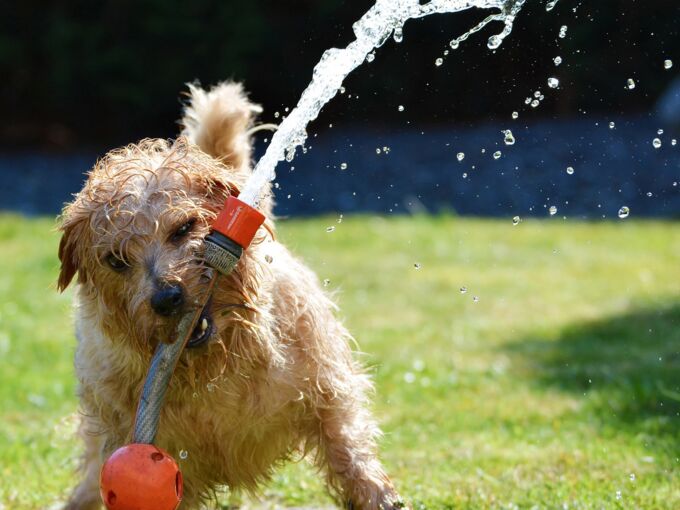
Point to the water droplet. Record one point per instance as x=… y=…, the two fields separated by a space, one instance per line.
x=409 y=377
x=343 y=90
x=386 y=150
x=439 y=61
x=624 y=212
x=398 y=34
x=553 y=83
x=668 y=63
x=494 y=42
x=656 y=143
x=570 y=170
x=632 y=477
x=343 y=166
x=630 y=83
x=612 y=125
x=460 y=156
x=550 y=5
x=557 y=60
x=509 y=138
x=269 y=258
x=194 y=395
x=400 y=108
x=454 y=44
x=534 y=103
x=649 y=194
x=183 y=454
x=674 y=142
x=618 y=495
x=475 y=299
x=552 y=210
x=277 y=115
x=377 y=150
x=497 y=155
x=516 y=220
x=370 y=57
x=515 y=115
x=417 y=265
x=210 y=387
x=330 y=229
x=563 y=31
x=326 y=282
x=659 y=132
x=463 y=290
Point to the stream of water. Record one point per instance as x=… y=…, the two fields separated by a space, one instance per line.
x=382 y=21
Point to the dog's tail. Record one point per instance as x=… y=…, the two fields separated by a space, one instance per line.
x=219 y=121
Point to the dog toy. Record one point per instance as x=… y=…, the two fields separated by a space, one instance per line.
x=140 y=476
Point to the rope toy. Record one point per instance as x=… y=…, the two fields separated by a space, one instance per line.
x=141 y=476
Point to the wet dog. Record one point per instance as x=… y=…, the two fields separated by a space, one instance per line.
x=268 y=373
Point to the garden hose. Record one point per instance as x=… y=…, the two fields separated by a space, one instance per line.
x=232 y=232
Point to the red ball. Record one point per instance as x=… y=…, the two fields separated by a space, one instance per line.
x=141 y=477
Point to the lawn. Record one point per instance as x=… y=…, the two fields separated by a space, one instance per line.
x=552 y=382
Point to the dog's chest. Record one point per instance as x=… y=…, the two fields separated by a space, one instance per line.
x=214 y=429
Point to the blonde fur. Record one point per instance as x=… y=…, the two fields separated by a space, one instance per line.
x=276 y=380
x=219 y=121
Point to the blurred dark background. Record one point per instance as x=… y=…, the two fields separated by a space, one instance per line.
x=81 y=77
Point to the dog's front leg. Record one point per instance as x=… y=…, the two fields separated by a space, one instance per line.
x=348 y=444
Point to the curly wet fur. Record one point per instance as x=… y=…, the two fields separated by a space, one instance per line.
x=278 y=378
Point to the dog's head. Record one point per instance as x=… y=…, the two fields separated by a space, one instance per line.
x=134 y=237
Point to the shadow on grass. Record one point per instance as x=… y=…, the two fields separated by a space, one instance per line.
x=626 y=368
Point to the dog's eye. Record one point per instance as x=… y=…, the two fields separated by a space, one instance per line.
x=116 y=263
x=183 y=230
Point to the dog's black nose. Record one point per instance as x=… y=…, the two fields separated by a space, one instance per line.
x=167 y=300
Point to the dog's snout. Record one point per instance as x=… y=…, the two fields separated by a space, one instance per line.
x=168 y=300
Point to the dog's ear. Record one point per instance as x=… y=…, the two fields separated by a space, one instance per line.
x=219 y=122
x=72 y=228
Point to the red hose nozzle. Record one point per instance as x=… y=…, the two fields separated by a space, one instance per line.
x=238 y=221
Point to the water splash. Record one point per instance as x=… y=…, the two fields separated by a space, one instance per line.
x=509 y=138
x=382 y=21
x=507 y=16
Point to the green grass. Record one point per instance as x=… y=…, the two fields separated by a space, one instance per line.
x=559 y=388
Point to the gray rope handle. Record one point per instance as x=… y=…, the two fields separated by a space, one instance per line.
x=162 y=367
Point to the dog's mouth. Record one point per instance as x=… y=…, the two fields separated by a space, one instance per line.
x=205 y=327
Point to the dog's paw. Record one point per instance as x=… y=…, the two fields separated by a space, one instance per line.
x=391 y=502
